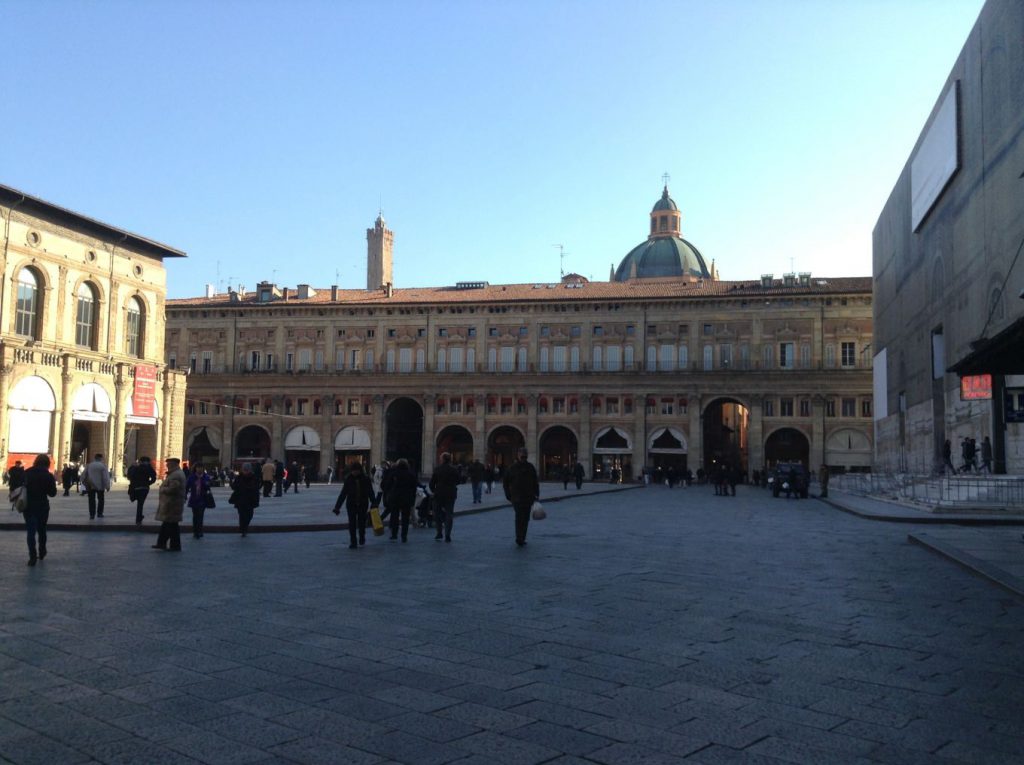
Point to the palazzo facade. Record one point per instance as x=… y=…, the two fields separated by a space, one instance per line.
x=82 y=340
x=664 y=364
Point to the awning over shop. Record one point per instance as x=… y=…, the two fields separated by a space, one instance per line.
x=352 y=439
x=302 y=439
x=612 y=441
x=91 y=403
x=667 y=441
x=999 y=355
x=32 y=394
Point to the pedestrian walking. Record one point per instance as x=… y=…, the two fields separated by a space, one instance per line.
x=444 y=484
x=198 y=488
x=947 y=457
x=97 y=483
x=69 y=478
x=38 y=485
x=16 y=475
x=171 y=507
x=307 y=474
x=356 y=492
x=522 y=489
x=267 y=473
x=476 y=480
x=823 y=476
x=294 y=476
x=489 y=477
x=140 y=477
x=566 y=477
x=278 y=478
x=245 y=496
x=578 y=474
x=986 y=455
x=400 y=497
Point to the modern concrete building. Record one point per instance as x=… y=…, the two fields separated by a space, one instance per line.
x=82 y=339
x=949 y=319
x=662 y=365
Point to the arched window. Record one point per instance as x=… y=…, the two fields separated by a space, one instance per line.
x=85 y=316
x=135 y=329
x=26 y=319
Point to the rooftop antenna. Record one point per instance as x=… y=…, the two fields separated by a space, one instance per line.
x=791 y=266
x=561 y=258
x=230 y=278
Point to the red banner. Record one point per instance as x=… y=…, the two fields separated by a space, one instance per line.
x=145 y=389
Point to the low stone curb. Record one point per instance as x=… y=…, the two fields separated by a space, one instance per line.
x=976 y=566
x=945 y=519
x=274 y=528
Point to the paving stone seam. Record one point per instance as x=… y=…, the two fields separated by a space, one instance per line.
x=976 y=566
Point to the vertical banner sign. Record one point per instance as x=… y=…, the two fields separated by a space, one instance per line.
x=145 y=389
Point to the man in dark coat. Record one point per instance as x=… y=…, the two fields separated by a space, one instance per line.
x=356 y=493
x=522 y=489
x=578 y=474
x=476 y=479
x=401 y=496
x=278 y=478
x=69 y=478
x=444 y=483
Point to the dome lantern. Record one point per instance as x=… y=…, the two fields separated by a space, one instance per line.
x=665 y=253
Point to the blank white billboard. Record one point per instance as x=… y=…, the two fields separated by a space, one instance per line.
x=937 y=158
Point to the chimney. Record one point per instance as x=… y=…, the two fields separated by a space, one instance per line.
x=334 y=293
x=284 y=293
x=210 y=291
x=389 y=289
x=305 y=292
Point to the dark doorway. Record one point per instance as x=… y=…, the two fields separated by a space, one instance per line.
x=502 y=446
x=201 y=450
x=787 y=445
x=457 y=440
x=403 y=425
x=558 y=449
x=252 y=443
x=725 y=434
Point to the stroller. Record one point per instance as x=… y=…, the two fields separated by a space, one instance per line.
x=424 y=507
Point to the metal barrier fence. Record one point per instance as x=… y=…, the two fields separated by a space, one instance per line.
x=955 y=492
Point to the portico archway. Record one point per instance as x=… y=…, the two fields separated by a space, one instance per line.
x=726 y=424
x=403 y=422
x=502 y=446
x=787 y=445
x=456 y=440
x=558 y=449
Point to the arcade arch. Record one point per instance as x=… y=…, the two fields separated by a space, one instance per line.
x=403 y=422
x=558 y=449
x=726 y=434
x=456 y=440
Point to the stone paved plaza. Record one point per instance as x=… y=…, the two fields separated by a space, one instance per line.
x=647 y=626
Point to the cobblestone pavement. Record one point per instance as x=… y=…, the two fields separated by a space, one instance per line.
x=650 y=627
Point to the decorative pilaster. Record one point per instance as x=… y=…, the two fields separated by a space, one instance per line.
x=277 y=428
x=117 y=446
x=377 y=452
x=584 y=446
x=817 y=456
x=755 y=436
x=695 y=456
x=480 y=430
x=532 y=442
x=429 y=445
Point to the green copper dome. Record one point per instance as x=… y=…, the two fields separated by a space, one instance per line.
x=662 y=256
x=665 y=203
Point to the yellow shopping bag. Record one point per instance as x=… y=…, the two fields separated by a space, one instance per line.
x=378 y=524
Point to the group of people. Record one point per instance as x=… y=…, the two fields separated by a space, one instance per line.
x=969 y=455
x=395 y=488
x=274 y=476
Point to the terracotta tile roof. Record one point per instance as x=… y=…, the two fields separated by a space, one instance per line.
x=637 y=289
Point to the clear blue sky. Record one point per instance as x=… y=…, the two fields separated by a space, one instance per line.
x=262 y=136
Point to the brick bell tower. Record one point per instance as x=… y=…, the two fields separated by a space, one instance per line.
x=379 y=241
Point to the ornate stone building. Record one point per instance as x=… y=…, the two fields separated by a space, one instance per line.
x=664 y=364
x=82 y=339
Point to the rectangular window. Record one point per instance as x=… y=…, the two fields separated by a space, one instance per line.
x=190 y=408
x=207 y=362
x=667 y=358
x=786 y=355
x=785 y=407
x=574 y=331
x=611 y=405
x=613 y=358
x=598 y=331
x=269 y=363
x=597 y=361
x=471 y=332
x=455 y=406
x=172 y=361
x=830 y=356
x=305 y=359
x=353 y=406
x=440 y=405
x=805 y=407
x=368 y=407
x=725 y=355
x=574 y=359
x=506 y=406
x=508 y=358
x=368 y=356
x=849 y=407
x=352 y=364
x=254 y=361
x=254 y=406
x=456 y=360
x=830 y=407
x=559 y=358
x=289 y=361
x=668 y=406
x=405 y=360
x=442 y=332
x=865 y=407
x=849 y=357
x=389 y=360
x=204 y=407
x=558 y=405
x=709 y=329
x=492 y=331
x=392 y=333
x=630 y=330
x=709 y=357
x=523 y=331
x=769 y=408
x=318 y=362
x=300 y=406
